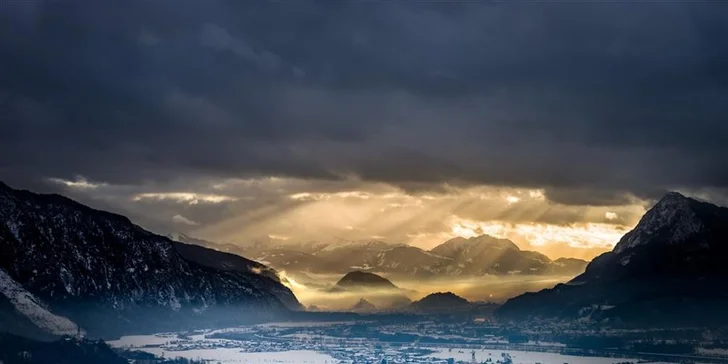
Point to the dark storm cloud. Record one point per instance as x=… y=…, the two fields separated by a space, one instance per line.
x=625 y=98
x=601 y=197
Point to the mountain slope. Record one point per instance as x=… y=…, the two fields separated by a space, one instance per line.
x=14 y=321
x=246 y=269
x=463 y=247
x=409 y=260
x=33 y=309
x=355 y=254
x=110 y=276
x=567 y=266
x=672 y=268
x=287 y=259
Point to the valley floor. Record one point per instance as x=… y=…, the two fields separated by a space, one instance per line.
x=363 y=341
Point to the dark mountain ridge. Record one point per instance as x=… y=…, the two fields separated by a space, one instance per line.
x=20 y=350
x=110 y=276
x=672 y=268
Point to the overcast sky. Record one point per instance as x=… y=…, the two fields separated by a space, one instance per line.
x=553 y=124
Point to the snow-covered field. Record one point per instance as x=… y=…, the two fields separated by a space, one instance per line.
x=160 y=345
x=135 y=341
x=713 y=352
x=307 y=324
x=225 y=355
x=524 y=357
x=231 y=351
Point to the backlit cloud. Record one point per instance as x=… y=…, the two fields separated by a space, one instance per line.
x=579 y=101
x=80 y=183
x=184 y=197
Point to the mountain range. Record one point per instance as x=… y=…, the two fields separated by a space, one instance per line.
x=66 y=266
x=671 y=269
x=458 y=257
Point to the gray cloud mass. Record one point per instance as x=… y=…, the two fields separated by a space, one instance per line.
x=593 y=102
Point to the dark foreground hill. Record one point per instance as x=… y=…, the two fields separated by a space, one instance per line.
x=67 y=350
x=358 y=279
x=373 y=289
x=672 y=269
x=440 y=301
x=65 y=265
x=18 y=350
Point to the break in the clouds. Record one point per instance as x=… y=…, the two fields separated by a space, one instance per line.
x=592 y=104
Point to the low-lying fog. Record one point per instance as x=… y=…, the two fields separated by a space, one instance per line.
x=315 y=290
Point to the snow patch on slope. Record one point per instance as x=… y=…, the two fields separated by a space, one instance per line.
x=32 y=308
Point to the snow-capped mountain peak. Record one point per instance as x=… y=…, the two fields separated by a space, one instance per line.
x=673 y=219
x=672 y=266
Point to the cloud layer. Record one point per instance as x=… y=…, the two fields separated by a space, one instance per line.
x=603 y=104
x=613 y=97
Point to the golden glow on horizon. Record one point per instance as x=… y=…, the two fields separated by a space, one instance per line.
x=299 y=211
x=535 y=234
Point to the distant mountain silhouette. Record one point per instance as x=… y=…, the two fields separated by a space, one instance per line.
x=363 y=306
x=375 y=289
x=671 y=269
x=457 y=257
x=440 y=302
x=358 y=279
x=485 y=254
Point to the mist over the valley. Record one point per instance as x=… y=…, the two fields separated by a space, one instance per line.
x=315 y=290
